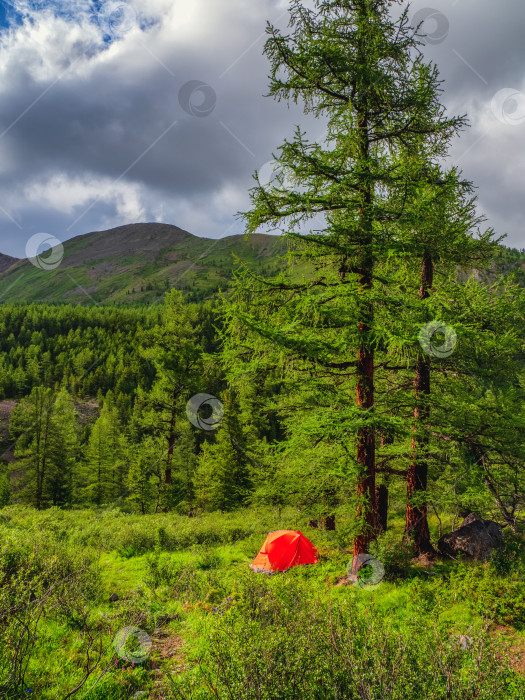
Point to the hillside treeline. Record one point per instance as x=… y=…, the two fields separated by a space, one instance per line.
x=282 y=433
x=385 y=362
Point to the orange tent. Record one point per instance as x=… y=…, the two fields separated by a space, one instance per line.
x=283 y=549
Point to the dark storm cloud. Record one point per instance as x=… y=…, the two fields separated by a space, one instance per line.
x=483 y=54
x=109 y=139
x=114 y=118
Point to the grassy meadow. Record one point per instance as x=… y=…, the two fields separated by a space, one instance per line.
x=192 y=621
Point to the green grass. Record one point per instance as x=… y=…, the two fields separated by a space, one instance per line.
x=196 y=571
x=120 y=575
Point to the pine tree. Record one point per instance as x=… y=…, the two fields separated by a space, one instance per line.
x=470 y=435
x=63 y=452
x=479 y=416
x=45 y=428
x=142 y=490
x=31 y=426
x=439 y=233
x=106 y=456
x=184 y=465
x=357 y=68
x=223 y=480
x=175 y=351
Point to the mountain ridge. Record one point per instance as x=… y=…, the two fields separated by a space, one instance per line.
x=135 y=263
x=138 y=263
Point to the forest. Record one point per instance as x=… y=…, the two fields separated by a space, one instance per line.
x=369 y=394
x=102 y=393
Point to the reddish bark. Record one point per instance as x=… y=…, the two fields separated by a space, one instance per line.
x=382 y=507
x=416 y=522
x=366 y=489
x=366 y=493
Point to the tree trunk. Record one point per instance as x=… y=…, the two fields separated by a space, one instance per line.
x=38 y=470
x=366 y=512
x=44 y=451
x=327 y=522
x=99 y=481
x=416 y=522
x=382 y=507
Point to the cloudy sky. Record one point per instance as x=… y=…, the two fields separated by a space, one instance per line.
x=153 y=110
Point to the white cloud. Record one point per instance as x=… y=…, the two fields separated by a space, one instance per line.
x=102 y=96
x=66 y=194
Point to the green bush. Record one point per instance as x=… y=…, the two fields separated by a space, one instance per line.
x=208 y=560
x=41 y=581
x=162 y=570
x=119 y=684
x=489 y=594
x=277 y=640
x=133 y=535
x=395 y=555
x=511 y=558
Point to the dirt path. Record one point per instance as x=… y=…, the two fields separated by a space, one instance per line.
x=167 y=654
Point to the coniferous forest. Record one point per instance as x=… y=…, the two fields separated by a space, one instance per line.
x=368 y=393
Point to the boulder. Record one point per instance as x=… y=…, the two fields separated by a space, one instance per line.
x=475 y=538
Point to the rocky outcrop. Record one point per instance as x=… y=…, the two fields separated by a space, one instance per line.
x=6 y=262
x=475 y=538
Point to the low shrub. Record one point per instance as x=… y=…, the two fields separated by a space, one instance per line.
x=489 y=594
x=395 y=554
x=209 y=560
x=162 y=570
x=277 y=640
x=40 y=581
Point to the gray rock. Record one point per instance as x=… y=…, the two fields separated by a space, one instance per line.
x=465 y=642
x=113 y=598
x=475 y=538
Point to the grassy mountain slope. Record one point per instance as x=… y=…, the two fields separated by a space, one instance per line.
x=136 y=264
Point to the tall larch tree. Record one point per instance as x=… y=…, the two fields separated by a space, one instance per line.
x=441 y=237
x=359 y=70
x=106 y=456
